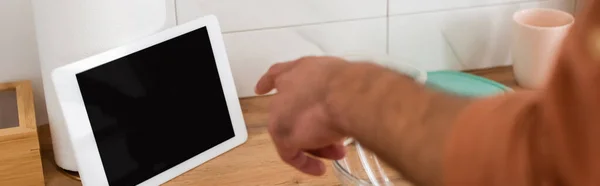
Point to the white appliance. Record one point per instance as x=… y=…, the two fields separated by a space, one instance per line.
x=68 y=31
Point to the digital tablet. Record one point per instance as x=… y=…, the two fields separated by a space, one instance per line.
x=146 y=112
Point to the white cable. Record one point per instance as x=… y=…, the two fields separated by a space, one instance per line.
x=365 y=163
x=382 y=174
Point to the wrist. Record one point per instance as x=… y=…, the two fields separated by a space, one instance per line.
x=398 y=119
x=365 y=94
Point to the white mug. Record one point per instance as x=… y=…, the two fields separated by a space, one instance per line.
x=537 y=36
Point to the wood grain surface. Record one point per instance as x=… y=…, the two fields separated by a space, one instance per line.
x=253 y=163
x=20 y=160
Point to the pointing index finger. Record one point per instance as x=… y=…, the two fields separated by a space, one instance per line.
x=267 y=81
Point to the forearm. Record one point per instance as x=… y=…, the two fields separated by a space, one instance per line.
x=403 y=122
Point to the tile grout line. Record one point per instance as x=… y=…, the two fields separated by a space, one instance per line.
x=176 y=12
x=387 y=28
x=305 y=24
x=387 y=16
x=467 y=8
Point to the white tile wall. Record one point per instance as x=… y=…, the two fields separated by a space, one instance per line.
x=251 y=53
x=18 y=52
x=171 y=14
x=413 y=6
x=431 y=34
x=458 y=39
x=417 y=40
x=236 y=15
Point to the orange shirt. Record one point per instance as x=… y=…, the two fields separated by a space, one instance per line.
x=548 y=137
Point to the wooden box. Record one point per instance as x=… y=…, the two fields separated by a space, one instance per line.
x=20 y=160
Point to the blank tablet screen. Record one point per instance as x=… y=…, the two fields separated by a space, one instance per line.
x=156 y=108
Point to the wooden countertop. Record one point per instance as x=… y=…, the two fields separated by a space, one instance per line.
x=253 y=163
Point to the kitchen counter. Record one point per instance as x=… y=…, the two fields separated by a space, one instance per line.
x=253 y=163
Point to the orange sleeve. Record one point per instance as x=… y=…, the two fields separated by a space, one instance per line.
x=549 y=137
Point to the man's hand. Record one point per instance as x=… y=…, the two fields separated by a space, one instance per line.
x=299 y=122
x=322 y=100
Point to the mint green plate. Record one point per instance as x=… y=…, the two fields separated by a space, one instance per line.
x=464 y=84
